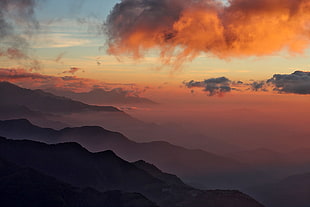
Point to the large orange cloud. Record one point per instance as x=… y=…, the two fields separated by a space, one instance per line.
x=183 y=29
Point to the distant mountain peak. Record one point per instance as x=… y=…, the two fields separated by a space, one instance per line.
x=156 y=172
x=42 y=101
x=70 y=146
x=8 y=84
x=108 y=153
x=148 y=165
x=21 y=121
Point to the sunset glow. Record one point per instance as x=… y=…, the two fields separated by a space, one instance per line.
x=216 y=92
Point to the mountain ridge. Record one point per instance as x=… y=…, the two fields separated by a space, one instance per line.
x=44 y=102
x=105 y=171
x=190 y=164
x=33 y=188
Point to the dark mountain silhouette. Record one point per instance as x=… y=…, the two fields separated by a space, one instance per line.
x=27 y=130
x=104 y=171
x=38 y=100
x=101 y=96
x=48 y=110
x=23 y=187
x=157 y=173
x=293 y=191
x=194 y=166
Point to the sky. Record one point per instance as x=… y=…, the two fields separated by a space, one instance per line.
x=223 y=56
x=71 y=34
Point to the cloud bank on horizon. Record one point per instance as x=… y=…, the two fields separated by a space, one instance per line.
x=36 y=80
x=183 y=29
x=297 y=82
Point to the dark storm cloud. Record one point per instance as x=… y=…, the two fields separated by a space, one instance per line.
x=214 y=86
x=297 y=82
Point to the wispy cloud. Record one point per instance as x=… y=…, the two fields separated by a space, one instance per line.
x=59 y=40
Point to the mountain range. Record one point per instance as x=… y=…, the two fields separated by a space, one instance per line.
x=31 y=165
x=194 y=166
x=38 y=100
x=24 y=186
x=47 y=110
x=105 y=171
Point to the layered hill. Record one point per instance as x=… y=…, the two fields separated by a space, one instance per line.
x=38 y=100
x=192 y=165
x=24 y=186
x=48 y=110
x=104 y=171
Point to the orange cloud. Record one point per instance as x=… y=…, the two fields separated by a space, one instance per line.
x=183 y=29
